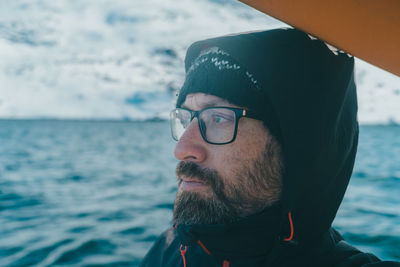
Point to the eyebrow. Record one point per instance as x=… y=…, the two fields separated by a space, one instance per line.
x=208 y=104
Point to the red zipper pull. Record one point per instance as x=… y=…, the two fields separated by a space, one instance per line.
x=183 y=251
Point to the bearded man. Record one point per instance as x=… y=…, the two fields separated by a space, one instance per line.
x=266 y=130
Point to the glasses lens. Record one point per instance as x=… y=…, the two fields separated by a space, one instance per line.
x=218 y=124
x=179 y=119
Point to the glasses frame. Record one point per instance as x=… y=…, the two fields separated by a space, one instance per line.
x=239 y=113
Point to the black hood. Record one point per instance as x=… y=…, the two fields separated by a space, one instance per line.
x=311 y=93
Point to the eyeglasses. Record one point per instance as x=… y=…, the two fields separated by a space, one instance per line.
x=218 y=125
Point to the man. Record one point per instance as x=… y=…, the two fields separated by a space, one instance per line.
x=266 y=124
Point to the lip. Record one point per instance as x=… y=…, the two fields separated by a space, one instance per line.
x=191 y=179
x=192 y=184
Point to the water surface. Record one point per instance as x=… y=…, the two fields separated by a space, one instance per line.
x=87 y=193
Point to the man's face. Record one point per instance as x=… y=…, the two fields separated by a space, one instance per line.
x=222 y=183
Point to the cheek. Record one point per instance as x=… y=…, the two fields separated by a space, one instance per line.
x=252 y=139
x=232 y=159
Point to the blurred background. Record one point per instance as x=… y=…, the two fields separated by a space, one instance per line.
x=86 y=163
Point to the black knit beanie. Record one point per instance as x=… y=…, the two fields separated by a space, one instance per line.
x=249 y=69
x=216 y=72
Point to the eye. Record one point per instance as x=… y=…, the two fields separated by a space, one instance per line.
x=220 y=117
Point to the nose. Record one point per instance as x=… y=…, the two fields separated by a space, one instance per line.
x=191 y=146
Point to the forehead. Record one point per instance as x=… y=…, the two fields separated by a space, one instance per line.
x=198 y=101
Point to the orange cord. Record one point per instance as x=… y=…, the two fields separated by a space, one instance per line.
x=183 y=251
x=291 y=228
x=203 y=247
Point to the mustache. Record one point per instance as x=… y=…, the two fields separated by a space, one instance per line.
x=207 y=176
x=191 y=169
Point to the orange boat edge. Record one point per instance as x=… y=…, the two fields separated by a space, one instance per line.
x=367 y=29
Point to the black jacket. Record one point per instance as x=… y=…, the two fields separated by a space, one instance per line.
x=310 y=94
x=332 y=250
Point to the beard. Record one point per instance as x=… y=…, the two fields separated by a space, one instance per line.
x=254 y=187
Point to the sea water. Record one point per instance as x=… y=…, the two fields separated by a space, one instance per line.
x=98 y=193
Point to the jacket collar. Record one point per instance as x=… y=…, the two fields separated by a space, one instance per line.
x=248 y=237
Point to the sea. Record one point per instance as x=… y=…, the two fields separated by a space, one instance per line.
x=99 y=193
x=86 y=158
